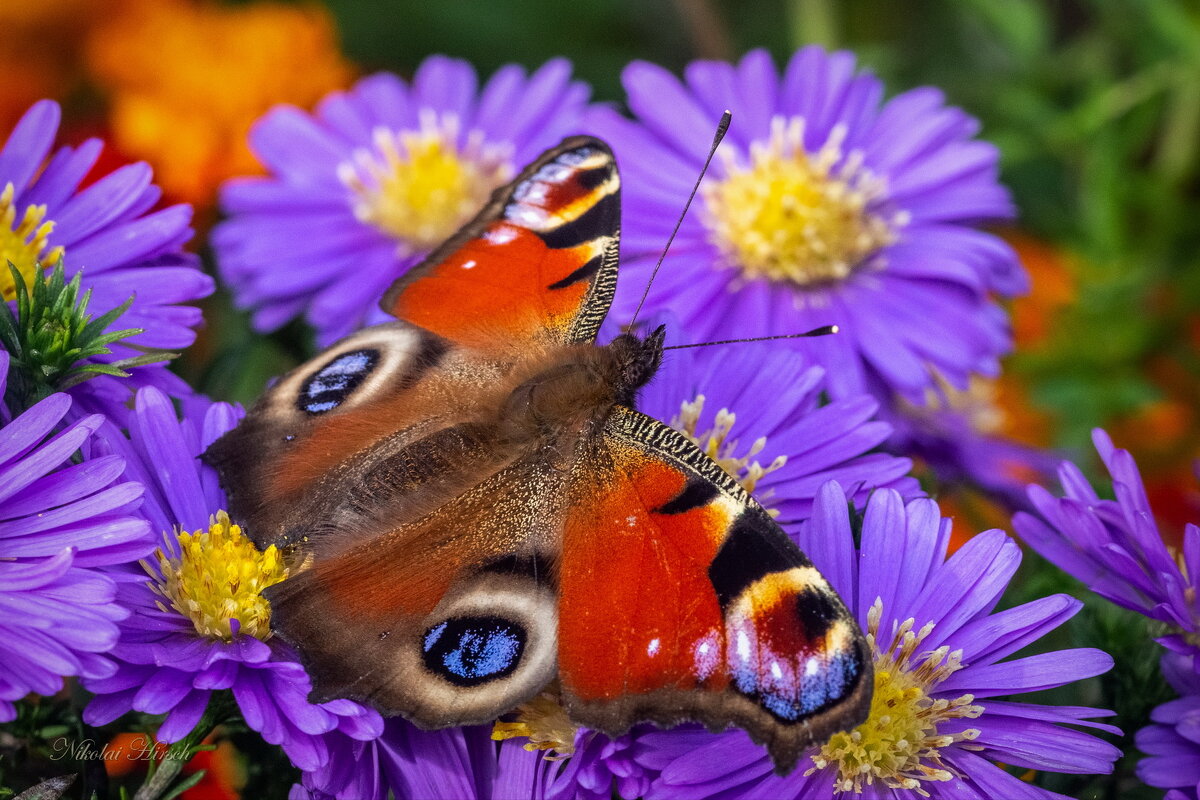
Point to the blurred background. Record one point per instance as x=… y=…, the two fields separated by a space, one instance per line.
x=1095 y=105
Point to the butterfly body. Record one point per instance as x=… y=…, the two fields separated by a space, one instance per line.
x=476 y=509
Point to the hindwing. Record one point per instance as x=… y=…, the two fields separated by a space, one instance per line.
x=681 y=599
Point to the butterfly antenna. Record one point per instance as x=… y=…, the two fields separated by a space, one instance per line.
x=722 y=127
x=824 y=330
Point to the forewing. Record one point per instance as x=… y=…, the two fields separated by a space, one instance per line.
x=681 y=599
x=305 y=453
x=537 y=265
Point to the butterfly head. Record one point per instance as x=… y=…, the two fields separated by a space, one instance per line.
x=637 y=360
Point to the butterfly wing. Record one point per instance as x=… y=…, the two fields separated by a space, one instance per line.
x=681 y=599
x=535 y=269
x=314 y=451
x=538 y=264
x=449 y=619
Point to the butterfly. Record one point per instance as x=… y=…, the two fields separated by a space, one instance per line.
x=477 y=509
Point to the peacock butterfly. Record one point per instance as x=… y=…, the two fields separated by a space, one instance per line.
x=476 y=509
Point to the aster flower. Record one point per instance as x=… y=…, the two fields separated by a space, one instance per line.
x=1172 y=743
x=1114 y=546
x=600 y=764
x=963 y=438
x=61 y=525
x=187 y=80
x=361 y=190
x=933 y=729
x=463 y=763
x=824 y=206
x=199 y=624
x=109 y=231
x=759 y=412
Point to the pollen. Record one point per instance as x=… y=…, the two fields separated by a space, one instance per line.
x=544 y=722
x=218 y=577
x=23 y=237
x=787 y=215
x=419 y=186
x=899 y=746
x=978 y=404
x=717 y=445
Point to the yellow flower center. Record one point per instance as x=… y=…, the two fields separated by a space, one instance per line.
x=544 y=722
x=219 y=576
x=978 y=403
x=899 y=745
x=787 y=215
x=418 y=187
x=22 y=242
x=717 y=445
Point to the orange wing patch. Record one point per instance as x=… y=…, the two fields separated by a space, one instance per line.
x=680 y=599
x=539 y=262
x=634 y=608
x=506 y=284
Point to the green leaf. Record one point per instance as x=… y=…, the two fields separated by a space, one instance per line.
x=185 y=784
x=53 y=342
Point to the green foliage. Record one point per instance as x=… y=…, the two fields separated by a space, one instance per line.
x=52 y=340
x=49 y=738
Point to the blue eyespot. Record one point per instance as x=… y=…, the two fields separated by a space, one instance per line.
x=468 y=651
x=795 y=691
x=329 y=387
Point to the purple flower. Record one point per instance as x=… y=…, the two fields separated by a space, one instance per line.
x=198 y=623
x=110 y=231
x=61 y=525
x=758 y=411
x=938 y=662
x=1114 y=546
x=954 y=434
x=361 y=190
x=463 y=763
x=1172 y=744
x=600 y=764
x=824 y=206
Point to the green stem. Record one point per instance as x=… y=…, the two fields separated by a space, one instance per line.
x=178 y=754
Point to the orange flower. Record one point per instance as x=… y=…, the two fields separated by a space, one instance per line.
x=128 y=756
x=130 y=753
x=39 y=43
x=972 y=512
x=1053 y=289
x=223 y=774
x=188 y=79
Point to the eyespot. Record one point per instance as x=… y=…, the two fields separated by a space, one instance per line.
x=469 y=651
x=329 y=387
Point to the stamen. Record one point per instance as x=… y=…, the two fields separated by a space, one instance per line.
x=899 y=745
x=218 y=576
x=22 y=242
x=789 y=215
x=979 y=403
x=716 y=443
x=545 y=723
x=418 y=187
